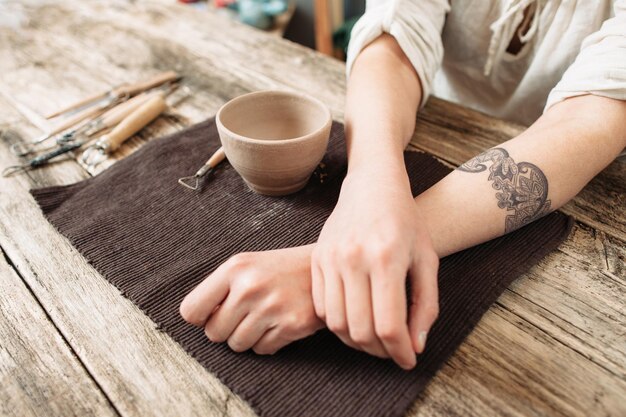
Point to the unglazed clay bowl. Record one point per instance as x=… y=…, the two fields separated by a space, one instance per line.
x=274 y=139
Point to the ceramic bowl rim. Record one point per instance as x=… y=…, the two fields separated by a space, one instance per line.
x=275 y=142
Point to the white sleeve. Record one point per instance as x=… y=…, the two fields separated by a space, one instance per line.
x=600 y=66
x=415 y=24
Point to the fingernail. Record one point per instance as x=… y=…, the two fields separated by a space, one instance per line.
x=421 y=340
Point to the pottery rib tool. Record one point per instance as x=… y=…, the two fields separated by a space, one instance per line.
x=130 y=125
x=208 y=166
x=124 y=90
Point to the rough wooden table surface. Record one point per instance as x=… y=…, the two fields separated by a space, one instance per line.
x=553 y=345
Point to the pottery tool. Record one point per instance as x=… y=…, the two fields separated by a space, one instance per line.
x=130 y=125
x=193 y=182
x=41 y=159
x=81 y=135
x=22 y=149
x=124 y=90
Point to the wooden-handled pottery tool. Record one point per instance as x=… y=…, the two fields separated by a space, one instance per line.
x=130 y=125
x=22 y=149
x=193 y=182
x=124 y=90
x=80 y=136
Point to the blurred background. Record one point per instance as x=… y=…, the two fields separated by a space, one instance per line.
x=323 y=25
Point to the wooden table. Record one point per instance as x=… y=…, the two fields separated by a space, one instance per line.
x=553 y=345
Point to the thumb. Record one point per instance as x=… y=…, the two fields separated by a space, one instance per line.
x=424 y=307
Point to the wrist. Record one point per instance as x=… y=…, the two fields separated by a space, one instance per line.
x=379 y=161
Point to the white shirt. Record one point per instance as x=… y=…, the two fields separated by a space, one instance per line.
x=570 y=48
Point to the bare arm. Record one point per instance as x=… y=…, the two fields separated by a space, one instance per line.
x=382 y=98
x=375 y=244
x=549 y=164
x=374 y=238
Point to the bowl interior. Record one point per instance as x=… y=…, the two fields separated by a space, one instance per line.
x=273 y=116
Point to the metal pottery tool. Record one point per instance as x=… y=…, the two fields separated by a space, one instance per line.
x=113 y=94
x=208 y=166
x=41 y=159
x=82 y=135
x=108 y=108
x=130 y=125
x=22 y=149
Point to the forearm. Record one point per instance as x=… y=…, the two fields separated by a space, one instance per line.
x=567 y=147
x=382 y=99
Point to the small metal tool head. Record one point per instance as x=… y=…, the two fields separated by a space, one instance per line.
x=192 y=182
x=195 y=178
x=93 y=156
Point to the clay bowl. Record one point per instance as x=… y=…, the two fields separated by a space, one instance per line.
x=274 y=139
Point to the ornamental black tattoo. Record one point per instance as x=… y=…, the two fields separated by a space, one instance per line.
x=523 y=188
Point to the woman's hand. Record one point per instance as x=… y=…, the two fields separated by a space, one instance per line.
x=373 y=238
x=258 y=300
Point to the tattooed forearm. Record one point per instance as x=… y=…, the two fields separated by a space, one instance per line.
x=522 y=187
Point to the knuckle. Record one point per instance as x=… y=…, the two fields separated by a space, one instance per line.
x=261 y=350
x=272 y=304
x=239 y=261
x=311 y=322
x=213 y=335
x=383 y=254
x=300 y=324
x=387 y=332
x=351 y=254
x=361 y=337
x=337 y=325
x=247 y=285
x=236 y=345
x=291 y=323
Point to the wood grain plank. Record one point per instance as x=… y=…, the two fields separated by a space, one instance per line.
x=250 y=59
x=580 y=302
x=142 y=371
x=511 y=366
x=131 y=41
x=39 y=374
x=88 y=294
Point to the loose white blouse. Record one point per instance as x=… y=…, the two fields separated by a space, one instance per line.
x=459 y=50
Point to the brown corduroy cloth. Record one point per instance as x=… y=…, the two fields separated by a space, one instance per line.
x=156 y=240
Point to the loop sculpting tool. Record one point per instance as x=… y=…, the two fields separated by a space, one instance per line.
x=193 y=181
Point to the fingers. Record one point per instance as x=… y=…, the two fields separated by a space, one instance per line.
x=225 y=319
x=424 y=307
x=200 y=303
x=248 y=332
x=390 y=316
x=359 y=313
x=334 y=301
x=270 y=342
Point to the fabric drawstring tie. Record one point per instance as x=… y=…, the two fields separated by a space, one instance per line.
x=504 y=28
